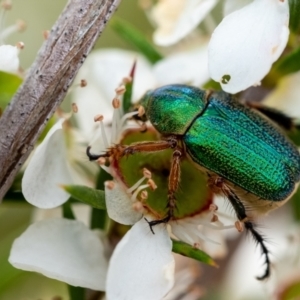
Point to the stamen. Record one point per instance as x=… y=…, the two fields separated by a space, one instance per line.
x=152 y=184
x=120 y=90
x=136 y=185
x=127 y=80
x=214 y=218
x=6 y=4
x=19 y=26
x=83 y=83
x=116 y=103
x=141 y=111
x=126 y=117
x=213 y=207
x=46 y=34
x=141 y=187
x=74 y=108
x=138 y=207
x=20 y=45
x=109 y=184
x=239 y=226
x=147 y=173
x=99 y=118
x=101 y=161
x=144 y=195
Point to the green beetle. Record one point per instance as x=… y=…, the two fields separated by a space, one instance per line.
x=246 y=156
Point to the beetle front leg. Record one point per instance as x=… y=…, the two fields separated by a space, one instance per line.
x=174 y=179
x=240 y=211
x=119 y=151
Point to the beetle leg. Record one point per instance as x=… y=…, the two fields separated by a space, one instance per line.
x=275 y=115
x=119 y=150
x=240 y=211
x=173 y=184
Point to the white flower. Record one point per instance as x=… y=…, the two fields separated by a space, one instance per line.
x=47 y=170
x=9 y=58
x=176 y=19
x=9 y=55
x=62 y=249
x=247 y=42
x=143 y=259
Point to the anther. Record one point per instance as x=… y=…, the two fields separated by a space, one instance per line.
x=147 y=173
x=127 y=79
x=214 y=218
x=152 y=184
x=98 y=118
x=74 y=108
x=83 y=83
x=101 y=161
x=239 y=226
x=116 y=103
x=143 y=127
x=144 y=195
x=138 y=207
x=213 y=207
x=20 y=45
x=109 y=184
x=196 y=245
x=21 y=25
x=120 y=90
x=7 y=5
x=46 y=34
x=141 y=111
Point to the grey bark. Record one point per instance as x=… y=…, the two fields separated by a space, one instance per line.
x=69 y=42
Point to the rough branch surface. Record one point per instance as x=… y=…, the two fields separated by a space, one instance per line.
x=69 y=42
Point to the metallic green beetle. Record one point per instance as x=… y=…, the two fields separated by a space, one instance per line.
x=246 y=156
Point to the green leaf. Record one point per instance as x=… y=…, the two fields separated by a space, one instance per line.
x=189 y=251
x=294 y=15
x=136 y=38
x=67 y=211
x=127 y=97
x=9 y=83
x=289 y=63
x=76 y=292
x=93 y=197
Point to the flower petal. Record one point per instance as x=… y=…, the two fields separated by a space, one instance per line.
x=62 y=249
x=176 y=19
x=232 y=5
x=9 y=58
x=181 y=68
x=142 y=265
x=47 y=170
x=285 y=97
x=247 y=42
x=104 y=70
x=119 y=205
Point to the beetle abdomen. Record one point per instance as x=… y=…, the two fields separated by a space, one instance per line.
x=244 y=148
